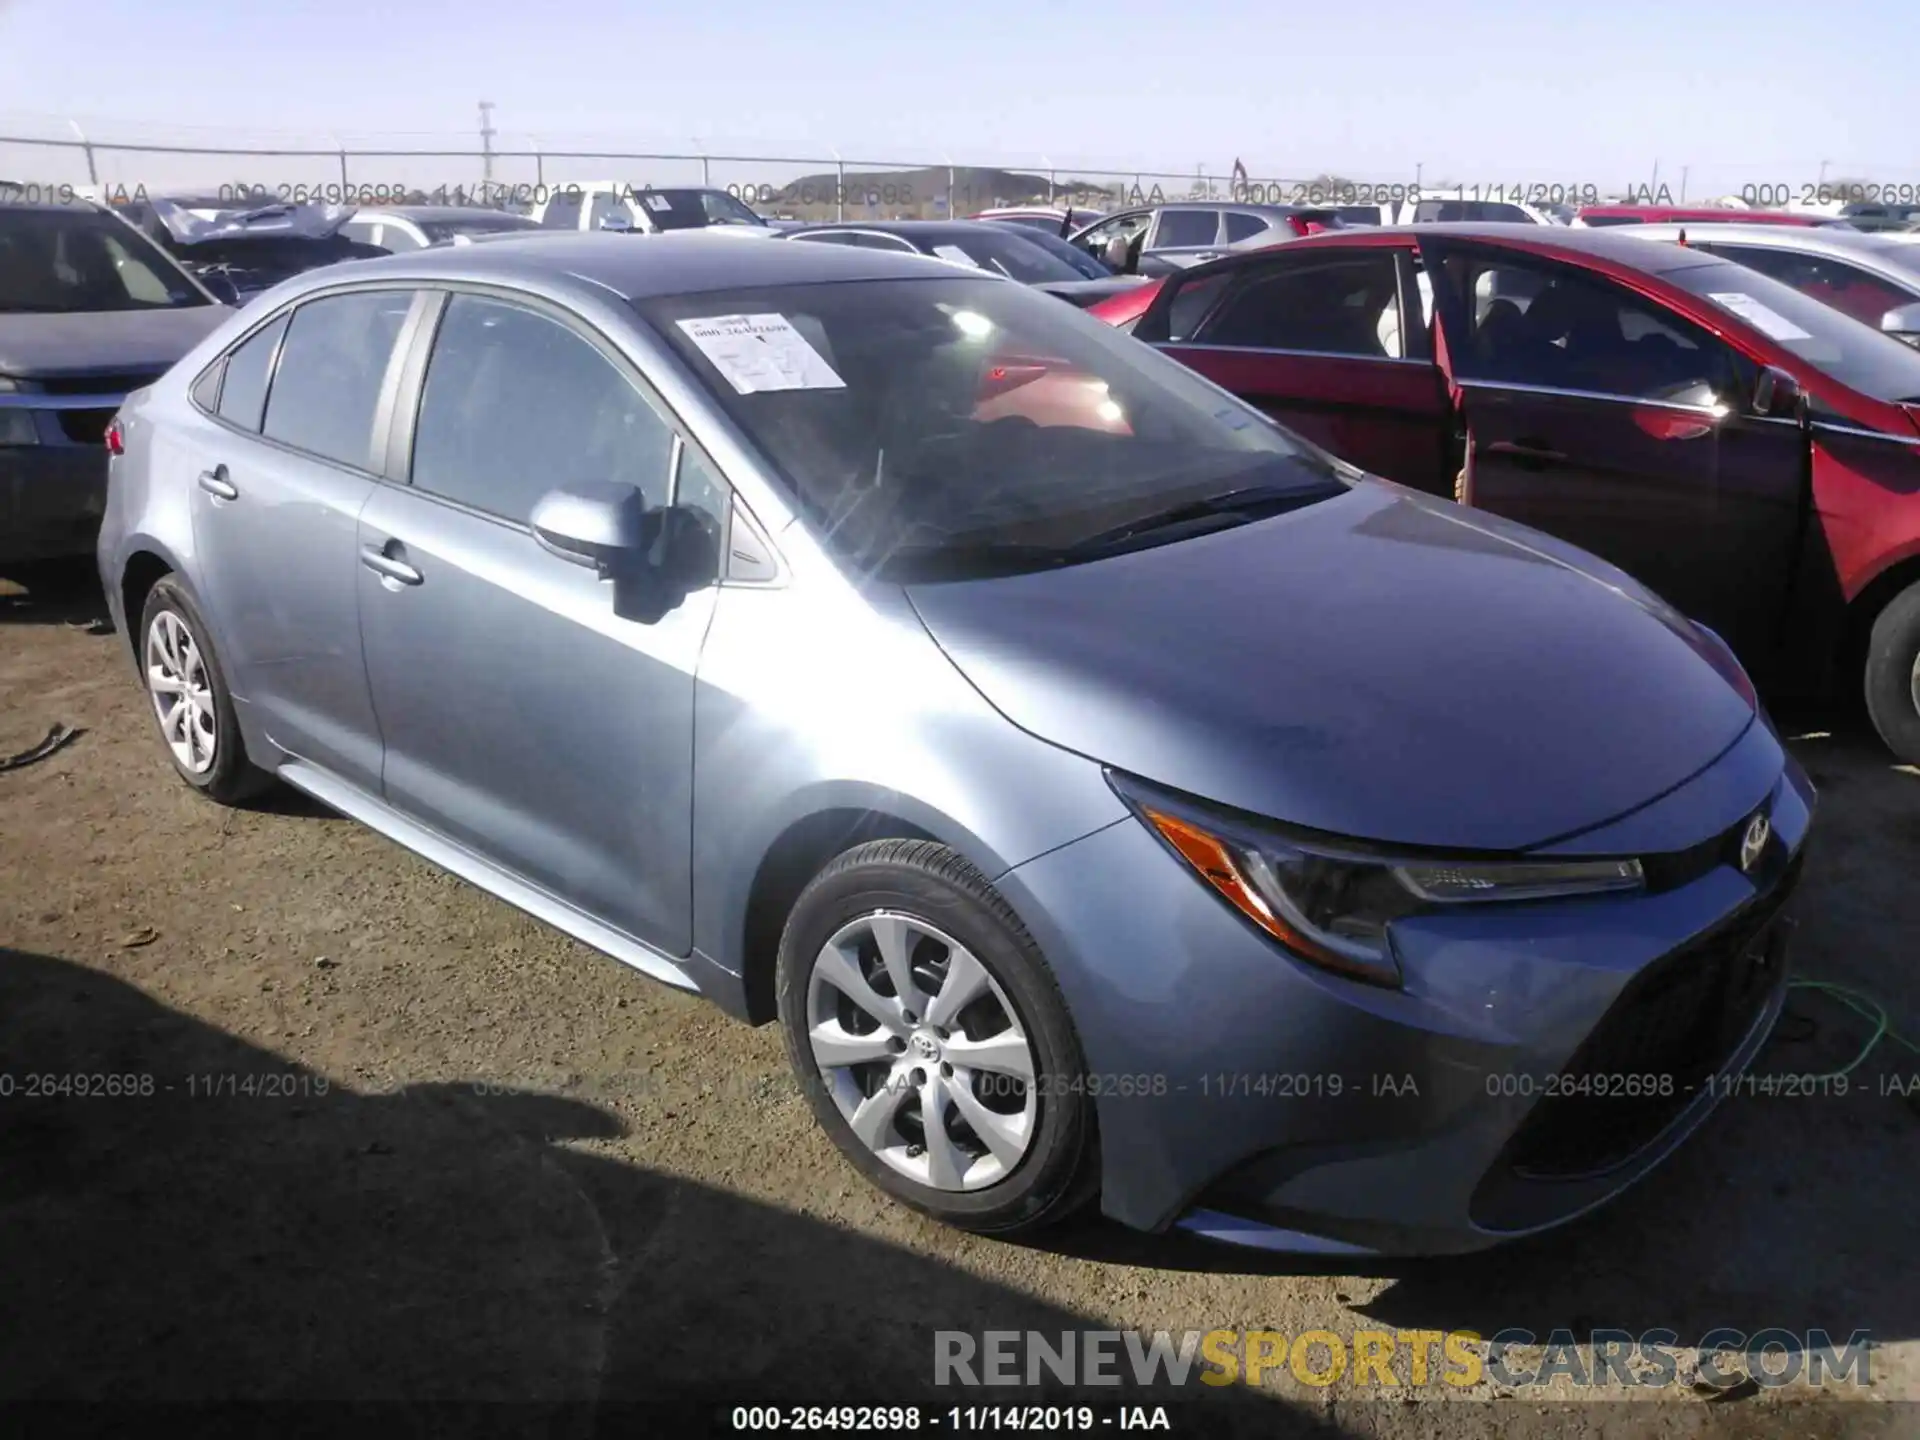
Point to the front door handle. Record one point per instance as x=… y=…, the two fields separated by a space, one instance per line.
x=215 y=482
x=1526 y=450
x=383 y=564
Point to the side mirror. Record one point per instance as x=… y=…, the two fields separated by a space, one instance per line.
x=1903 y=323
x=655 y=557
x=1777 y=394
x=616 y=222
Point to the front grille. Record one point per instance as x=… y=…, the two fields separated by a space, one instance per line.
x=1683 y=1018
x=103 y=384
x=86 y=427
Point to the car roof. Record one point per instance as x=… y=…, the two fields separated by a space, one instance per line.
x=441 y=212
x=907 y=229
x=1616 y=245
x=1814 y=239
x=639 y=268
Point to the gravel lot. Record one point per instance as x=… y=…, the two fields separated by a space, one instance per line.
x=535 y=1175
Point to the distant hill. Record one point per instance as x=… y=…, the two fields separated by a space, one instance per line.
x=920 y=193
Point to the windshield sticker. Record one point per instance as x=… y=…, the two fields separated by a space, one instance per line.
x=761 y=352
x=1770 y=323
x=658 y=202
x=954 y=255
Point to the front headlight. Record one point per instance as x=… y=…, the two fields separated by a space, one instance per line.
x=1334 y=903
x=17 y=427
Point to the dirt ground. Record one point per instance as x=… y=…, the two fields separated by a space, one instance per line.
x=480 y=1162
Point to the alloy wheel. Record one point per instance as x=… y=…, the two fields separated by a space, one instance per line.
x=922 y=1052
x=182 y=692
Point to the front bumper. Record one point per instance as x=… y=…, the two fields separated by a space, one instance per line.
x=1251 y=1097
x=51 y=500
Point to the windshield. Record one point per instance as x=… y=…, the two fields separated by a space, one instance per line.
x=1062 y=249
x=949 y=428
x=437 y=230
x=694 y=209
x=58 y=262
x=1856 y=355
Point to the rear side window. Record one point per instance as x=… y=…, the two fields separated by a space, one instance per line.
x=1336 y=305
x=1186 y=227
x=516 y=404
x=562 y=212
x=331 y=367
x=1242 y=226
x=243 y=394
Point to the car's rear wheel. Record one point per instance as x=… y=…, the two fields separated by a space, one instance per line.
x=191 y=703
x=933 y=1042
x=1893 y=674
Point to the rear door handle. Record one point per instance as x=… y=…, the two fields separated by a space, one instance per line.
x=383 y=564
x=215 y=482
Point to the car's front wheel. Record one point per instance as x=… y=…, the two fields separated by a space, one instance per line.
x=1893 y=674
x=191 y=703
x=933 y=1042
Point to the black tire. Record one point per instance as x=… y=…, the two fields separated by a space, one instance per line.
x=1059 y=1171
x=232 y=777
x=1893 y=674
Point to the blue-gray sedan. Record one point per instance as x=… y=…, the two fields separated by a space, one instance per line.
x=1105 y=790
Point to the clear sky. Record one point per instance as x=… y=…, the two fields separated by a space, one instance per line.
x=1472 y=91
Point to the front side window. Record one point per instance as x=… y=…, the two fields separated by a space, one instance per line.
x=949 y=426
x=1560 y=328
x=65 y=262
x=327 y=384
x=1332 y=304
x=243 y=394
x=516 y=404
x=605 y=204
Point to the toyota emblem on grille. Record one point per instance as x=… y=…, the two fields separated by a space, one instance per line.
x=1753 y=842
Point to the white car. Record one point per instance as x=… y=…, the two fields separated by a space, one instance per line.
x=642 y=209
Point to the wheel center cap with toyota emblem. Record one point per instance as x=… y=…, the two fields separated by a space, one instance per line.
x=924 y=1046
x=1753 y=843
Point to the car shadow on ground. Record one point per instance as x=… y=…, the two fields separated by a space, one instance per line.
x=53 y=592
x=1789 y=1210
x=238 y=1229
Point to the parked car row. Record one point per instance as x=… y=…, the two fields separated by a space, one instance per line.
x=1740 y=445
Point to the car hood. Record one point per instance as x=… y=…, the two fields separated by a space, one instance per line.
x=1379 y=665
x=33 y=346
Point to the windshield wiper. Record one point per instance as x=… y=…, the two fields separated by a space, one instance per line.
x=1236 y=506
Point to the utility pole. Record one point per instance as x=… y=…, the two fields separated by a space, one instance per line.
x=486 y=146
x=1683 y=183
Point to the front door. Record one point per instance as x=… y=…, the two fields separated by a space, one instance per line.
x=1333 y=343
x=522 y=717
x=1607 y=420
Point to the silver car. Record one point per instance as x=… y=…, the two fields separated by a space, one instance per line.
x=1872 y=276
x=1105 y=790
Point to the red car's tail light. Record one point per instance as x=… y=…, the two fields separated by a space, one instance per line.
x=116 y=439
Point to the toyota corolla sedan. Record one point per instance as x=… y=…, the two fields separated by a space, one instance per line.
x=1125 y=799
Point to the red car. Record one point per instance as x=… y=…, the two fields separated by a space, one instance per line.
x=1599 y=215
x=1749 y=453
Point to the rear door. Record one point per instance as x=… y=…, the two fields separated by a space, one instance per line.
x=1186 y=232
x=1333 y=342
x=1605 y=418
x=282 y=470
